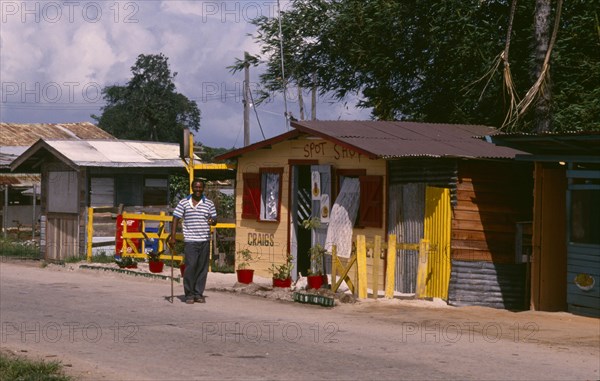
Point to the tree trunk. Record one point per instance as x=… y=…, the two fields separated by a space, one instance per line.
x=301 y=102
x=542 y=119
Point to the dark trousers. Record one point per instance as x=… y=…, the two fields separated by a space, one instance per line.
x=196 y=268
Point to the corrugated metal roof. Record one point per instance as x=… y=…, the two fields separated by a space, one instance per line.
x=396 y=139
x=19 y=179
x=102 y=153
x=552 y=143
x=12 y=134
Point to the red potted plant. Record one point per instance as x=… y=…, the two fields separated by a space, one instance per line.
x=315 y=273
x=154 y=263
x=244 y=274
x=316 y=277
x=282 y=274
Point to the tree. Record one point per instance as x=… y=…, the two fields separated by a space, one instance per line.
x=439 y=61
x=148 y=107
x=300 y=27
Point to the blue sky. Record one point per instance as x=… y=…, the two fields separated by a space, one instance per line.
x=56 y=56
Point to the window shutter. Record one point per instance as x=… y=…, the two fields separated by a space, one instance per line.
x=251 y=196
x=371 y=201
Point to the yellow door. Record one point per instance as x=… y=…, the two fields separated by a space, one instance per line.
x=437 y=232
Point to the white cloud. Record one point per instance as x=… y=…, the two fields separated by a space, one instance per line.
x=45 y=47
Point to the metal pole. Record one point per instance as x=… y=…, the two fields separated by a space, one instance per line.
x=34 y=214
x=5 y=211
x=246 y=104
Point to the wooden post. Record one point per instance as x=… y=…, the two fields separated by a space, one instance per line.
x=161 y=229
x=422 y=269
x=361 y=260
x=376 y=258
x=390 y=272
x=334 y=262
x=90 y=231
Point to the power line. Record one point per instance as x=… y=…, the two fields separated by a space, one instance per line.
x=282 y=66
x=256 y=113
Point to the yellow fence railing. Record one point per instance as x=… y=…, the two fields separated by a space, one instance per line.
x=160 y=232
x=342 y=268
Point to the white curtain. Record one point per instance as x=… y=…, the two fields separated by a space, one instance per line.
x=343 y=216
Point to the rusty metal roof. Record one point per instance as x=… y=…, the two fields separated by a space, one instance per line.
x=397 y=139
x=20 y=179
x=12 y=134
x=100 y=153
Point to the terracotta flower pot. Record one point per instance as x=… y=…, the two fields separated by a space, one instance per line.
x=314 y=281
x=283 y=283
x=244 y=276
x=156 y=267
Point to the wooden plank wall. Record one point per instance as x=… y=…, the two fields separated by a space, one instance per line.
x=491 y=197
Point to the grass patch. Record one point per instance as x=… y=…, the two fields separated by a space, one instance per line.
x=15 y=368
x=215 y=268
x=19 y=249
x=102 y=257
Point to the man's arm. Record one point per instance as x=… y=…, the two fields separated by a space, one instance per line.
x=173 y=230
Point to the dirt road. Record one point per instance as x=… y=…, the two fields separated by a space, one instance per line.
x=108 y=326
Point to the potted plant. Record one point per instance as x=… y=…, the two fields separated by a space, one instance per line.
x=317 y=252
x=154 y=263
x=282 y=273
x=315 y=273
x=126 y=262
x=244 y=274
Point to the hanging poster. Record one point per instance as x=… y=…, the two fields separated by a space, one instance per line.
x=325 y=208
x=316 y=185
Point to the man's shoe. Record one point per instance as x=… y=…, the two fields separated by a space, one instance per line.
x=189 y=301
x=199 y=299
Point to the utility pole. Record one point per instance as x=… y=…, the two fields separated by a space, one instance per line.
x=246 y=103
x=313 y=100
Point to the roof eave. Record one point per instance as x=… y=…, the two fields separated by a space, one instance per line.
x=335 y=140
x=16 y=165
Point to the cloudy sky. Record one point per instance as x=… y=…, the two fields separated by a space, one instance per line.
x=56 y=56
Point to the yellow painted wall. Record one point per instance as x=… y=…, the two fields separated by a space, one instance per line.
x=270 y=239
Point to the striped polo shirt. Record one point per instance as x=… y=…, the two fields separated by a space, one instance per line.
x=195 y=219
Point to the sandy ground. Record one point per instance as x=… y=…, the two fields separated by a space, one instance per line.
x=552 y=330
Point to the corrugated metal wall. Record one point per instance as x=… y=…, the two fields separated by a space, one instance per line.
x=437 y=172
x=407 y=205
x=476 y=283
x=438 y=218
x=407 y=181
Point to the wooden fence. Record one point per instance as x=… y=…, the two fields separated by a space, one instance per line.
x=357 y=262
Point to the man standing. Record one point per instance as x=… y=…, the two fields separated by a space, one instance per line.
x=198 y=214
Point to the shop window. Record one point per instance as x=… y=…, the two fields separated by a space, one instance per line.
x=155 y=191
x=261 y=198
x=251 y=195
x=370 y=211
x=585 y=223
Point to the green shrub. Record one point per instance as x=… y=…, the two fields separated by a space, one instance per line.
x=19 y=249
